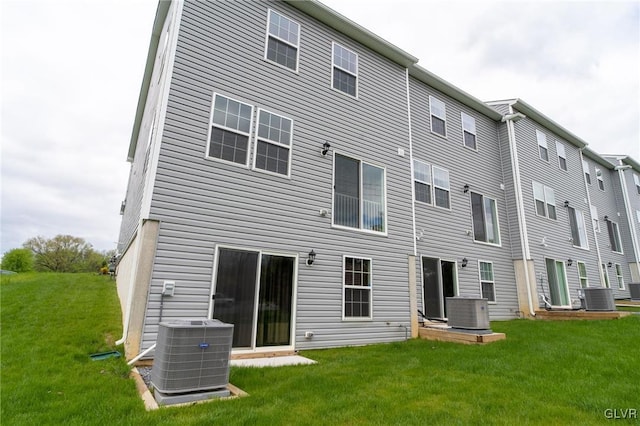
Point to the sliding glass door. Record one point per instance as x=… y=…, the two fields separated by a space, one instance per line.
x=254 y=292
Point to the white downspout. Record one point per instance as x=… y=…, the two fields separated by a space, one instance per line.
x=413 y=187
x=522 y=224
x=627 y=204
x=593 y=225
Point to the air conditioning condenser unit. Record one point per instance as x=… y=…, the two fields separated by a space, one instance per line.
x=634 y=289
x=468 y=313
x=599 y=299
x=192 y=355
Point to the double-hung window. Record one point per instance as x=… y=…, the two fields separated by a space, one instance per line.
x=441 y=188
x=582 y=274
x=587 y=174
x=468 y=131
x=543 y=150
x=487 y=283
x=422 y=181
x=357 y=299
x=605 y=275
x=545 y=200
x=614 y=236
x=578 y=230
x=230 y=129
x=594 y=217
x=345 y=70
x=619 y=276
x=431 y=184
x=562 y=156
x=283 y=40
x=485 y=219
x=359 y=195
x=600 y=179
x=438 y=112
x=636 y=181
x=273 y=143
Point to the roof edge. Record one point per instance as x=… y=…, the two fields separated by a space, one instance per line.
x=158 y=24
x=346 y=26
x=456 y=93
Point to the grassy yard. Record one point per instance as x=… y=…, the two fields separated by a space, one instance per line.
x=562 y=372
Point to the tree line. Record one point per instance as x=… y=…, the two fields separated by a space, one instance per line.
x=62 y=253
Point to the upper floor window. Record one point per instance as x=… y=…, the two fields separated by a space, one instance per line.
x=594 y=217
x=562 y=156
x=487 y=282
x=441 y=187
x=422 y=181
x=359 y=195
x=468 y=131
x=431 y=184
x=345 y=70
x=438 y=116
x=230 y=130
x=283 y=40
x=600 y=179
x=638 y=215
x=605 y=275
x=357 y=288
x=619 y=276
x=578 y=230
x=636 y=180
x=582 y=274
x=587 y=174
x=614 y=236
x=485 y=219
x=543 y=150
x=545 y=200
x=273 y=143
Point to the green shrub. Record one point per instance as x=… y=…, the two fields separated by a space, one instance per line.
x=17 y=260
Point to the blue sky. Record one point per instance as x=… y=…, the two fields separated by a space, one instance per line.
x=71 y=74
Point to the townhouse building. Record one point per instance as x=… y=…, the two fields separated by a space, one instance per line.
x=300 y=177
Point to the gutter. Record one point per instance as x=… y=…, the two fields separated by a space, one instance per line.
x=522 y=224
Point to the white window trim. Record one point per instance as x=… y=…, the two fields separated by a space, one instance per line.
x=619 y=277
x=580 y=277
x=586 y=171
x=584 y=228
x=595 y=218
x=541 y=138
x=560 y=147
x=434 y=186
x=497 y=220
x=600 y=178
x=384 y=193
x=480 y=281
x=344 y=286
x=429 y=184
x=546 y=203
x=431 y=114
x=334 y=66
x=255 y=143
x=617 y=230
x=636 y=181
x=638 y=215
x=211 y=124
x=474 y=133
x=268 y=34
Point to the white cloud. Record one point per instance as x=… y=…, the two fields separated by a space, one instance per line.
x=71 y=74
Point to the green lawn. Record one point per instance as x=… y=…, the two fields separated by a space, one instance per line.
x=565 y=372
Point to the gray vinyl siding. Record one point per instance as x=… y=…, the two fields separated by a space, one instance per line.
x=142 y=159
x=608 y=203
x=203 y=203
x=511 y=216
x=445 y=231
x=550 y=238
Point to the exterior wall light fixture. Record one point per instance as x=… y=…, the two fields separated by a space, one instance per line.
x=311 y=258
x=465 y=262
x=466 y=188
x=325 y=148
x=569 y=262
